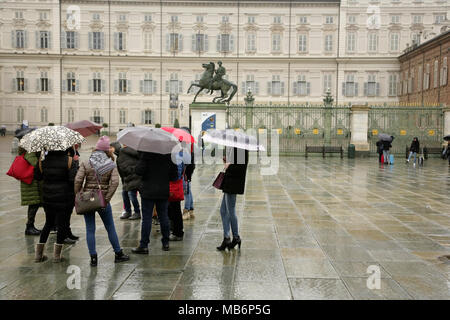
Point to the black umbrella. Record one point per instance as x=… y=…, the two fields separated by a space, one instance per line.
x=385 y=137
x=19 y=133
x=447 y=137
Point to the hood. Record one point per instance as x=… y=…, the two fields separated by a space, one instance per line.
x=130 y=151
x=117 y=146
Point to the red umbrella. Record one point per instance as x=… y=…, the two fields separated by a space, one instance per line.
x=85 y=127
x=180 y=134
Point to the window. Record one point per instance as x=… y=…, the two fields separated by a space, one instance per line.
x=43 y=39
x=199 y=42
x=301 y=87
x=302 y=44
x=351 y=19
x=123 y=82
x=327 y=82
x=417 y=19
x=251 y=19
x=19 y=39
x=251 y=42
x=20 y=114
x=225 y=42
x=303 y=20
x=148 y=86
x=199 y=19
x=71 y=82
x=444 y=72
x=147 y=117
x=174 y=19
x=71 y=39
x=97 y=118
x=148 y=17
x=70 y=115
x=173 y=86
x=394 y=42
x=392 y=85
x=373 y=42
x=250 y=85
x=411 y=81
x=415 y=38
x=147 y=41
x=435 y=74
x=439 y=18
x=122 y=116
x=96 y=40
x=329 y=19
x=350 y=87
x=329 y=42
x=419 y=78
x=225 y=19
x=351 y=42
x=19 y=14
x=44 y=115
x=174 y=42
x=426 y=77
x=277 y=20
x=276 y=42
x=43 y=82
x=122 y=17
x=275 y=87
x=43 y=15
x=395 y=19
x=20 y=81
x=371 y=87
x=97 y=83
x=119 y=41
x=96 y=16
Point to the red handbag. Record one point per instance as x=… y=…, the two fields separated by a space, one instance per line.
x=21 y=169
x=176 y=190
x=219 y=180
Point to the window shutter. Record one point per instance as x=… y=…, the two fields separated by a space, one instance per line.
x=90 y=85
x=141 y=86
x=116 y=41
x=129 y=86
x=63 y=40
x=64 y=85
x=143 y=117
x=49 y=39
x=308 y=88
x=356 y=89
x=13 y=39
x=50 y=85
x=25 y=85
x=37 y=39
x=154 y=86
x=377 y=89
x=14 y=84
x=180 y=42
x=231 y=42
x=366 y=85
x=102 y=40
x=218 y=42
x=244 y=90
x=294 y=87
x=38 y=85
x=167 y=42
x=25 y=39
x=256 y=88
x=180 y=87
x=282 y=88
x=167 y=86
x=206 y=43
x=343 y=89
x=116 y=86
x=124 y=41
x=91 y=40
x=103 y=85
x=152 y=117
x=269 y=88
x=76 y=40
x=77 y=85
x=194 y=42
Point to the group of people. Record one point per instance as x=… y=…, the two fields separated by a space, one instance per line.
x=383 y=147
x=60 y=175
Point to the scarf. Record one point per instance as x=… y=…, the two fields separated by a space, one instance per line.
x=101 y=163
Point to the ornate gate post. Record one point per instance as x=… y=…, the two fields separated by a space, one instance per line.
x=328 y=105
x=359 y=124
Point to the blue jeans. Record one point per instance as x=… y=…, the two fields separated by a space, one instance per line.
x=108 y=222
x=131 y=195
x=228 y=214
x=412 y=153
x=147 y=213
x=188 y=199
x=386 y=156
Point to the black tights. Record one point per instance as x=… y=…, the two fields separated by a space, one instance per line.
x=54 y=216
x=175 y=215
x=32 y=210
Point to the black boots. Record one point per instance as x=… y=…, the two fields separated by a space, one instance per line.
x=236 y=241
x=94 y=260
x=225 y=244
x=121 y=257
x=30 y=230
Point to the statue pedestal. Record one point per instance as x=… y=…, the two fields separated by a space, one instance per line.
x=207 y=115
x=359 y=127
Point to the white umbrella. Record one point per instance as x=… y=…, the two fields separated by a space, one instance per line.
x=148 y=139
x=50 y=138
x=232 y=138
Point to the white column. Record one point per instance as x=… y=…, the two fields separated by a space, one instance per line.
x=359 y=127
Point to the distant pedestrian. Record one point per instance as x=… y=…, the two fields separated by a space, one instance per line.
x=379 y=149
x=386 y=146
x=188 y=212
x=414 y=149
x=100 y=170
x=3 y=130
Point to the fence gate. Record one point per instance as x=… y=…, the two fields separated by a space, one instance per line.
x=405 y=123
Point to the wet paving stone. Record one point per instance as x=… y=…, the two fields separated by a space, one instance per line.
x=308 y=233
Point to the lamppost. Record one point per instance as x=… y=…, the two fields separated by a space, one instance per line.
x=328 y=104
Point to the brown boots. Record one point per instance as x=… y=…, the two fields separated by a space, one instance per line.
x=57 y=249
x=39 y=253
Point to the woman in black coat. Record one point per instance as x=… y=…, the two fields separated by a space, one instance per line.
x=414 y=149
x=236 y=163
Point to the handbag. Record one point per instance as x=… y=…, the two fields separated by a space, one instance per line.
x=21 y=169
x=90 y=200
x=176 y=190
x=219 y=180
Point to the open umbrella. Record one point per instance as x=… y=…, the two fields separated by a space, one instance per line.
x=385 y=137
x=19 y=133
x=233 y=138
x=181 y=134
x=447 y=137
x=147 y=139
x=50 y=138
x=85 y=127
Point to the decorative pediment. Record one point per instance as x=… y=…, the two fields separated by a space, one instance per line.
x=174 y=25
x=199 y=27
x=96 y=25
x=395 y=27
x=148 y=26
x=417 y=27
x=277 y=28
x=43 y=24
x=123 y=25
x=352 y=27
x=303 y=28
x=329 y=27
x=225 y=27
x=251 y=27
x=19 y=23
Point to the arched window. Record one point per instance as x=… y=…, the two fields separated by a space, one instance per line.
x=44 y=115
x=435 y=74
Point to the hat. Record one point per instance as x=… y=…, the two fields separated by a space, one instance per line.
x=102 y=144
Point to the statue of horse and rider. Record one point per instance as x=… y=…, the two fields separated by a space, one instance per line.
x=212 y=80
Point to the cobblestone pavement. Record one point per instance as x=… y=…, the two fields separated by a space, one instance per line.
x=309 y=232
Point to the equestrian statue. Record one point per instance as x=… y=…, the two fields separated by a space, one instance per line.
x=212 y=80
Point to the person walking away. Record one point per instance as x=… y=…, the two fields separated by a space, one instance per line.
x=386 y=146
x=188 y=212
x=101 y=170
x=127 y=159
x=31 y=194
x=414 y=149
x=57 y=193
x=379 y=149
x=156 y=170
x=236 y=162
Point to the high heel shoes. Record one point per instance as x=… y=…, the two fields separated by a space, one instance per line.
x=236 y=241
x=225 y=244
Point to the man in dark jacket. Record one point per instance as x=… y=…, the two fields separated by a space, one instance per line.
x=386 y=146
x=156 y=171
x=127 y=159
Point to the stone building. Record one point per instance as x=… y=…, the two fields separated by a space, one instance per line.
x=124 y=61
